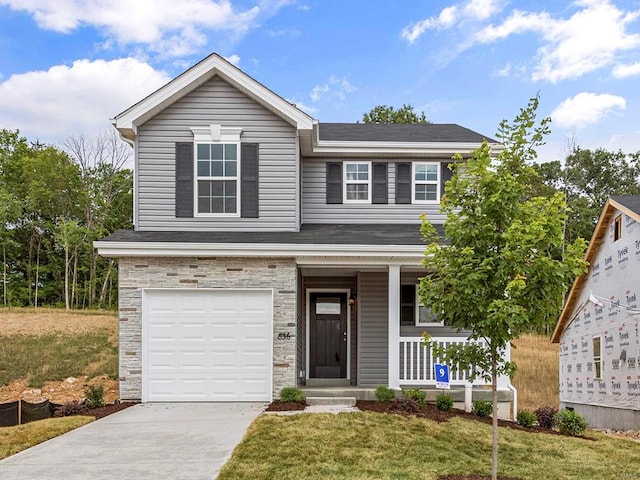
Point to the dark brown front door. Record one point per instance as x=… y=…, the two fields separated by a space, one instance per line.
x=328 y=335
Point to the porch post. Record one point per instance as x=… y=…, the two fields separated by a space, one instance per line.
x=394 y=326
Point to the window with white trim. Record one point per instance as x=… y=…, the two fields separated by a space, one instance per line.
x=217 y=178
x=357 y=182
x=425 y=183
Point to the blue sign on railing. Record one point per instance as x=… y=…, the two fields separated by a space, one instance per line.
x=442 y=375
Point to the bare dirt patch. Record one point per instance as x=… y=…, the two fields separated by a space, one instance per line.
x=58 y=392
x=41 y=321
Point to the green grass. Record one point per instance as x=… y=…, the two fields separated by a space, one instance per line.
x=56 y=356
x=21 y=437
x=370 y=445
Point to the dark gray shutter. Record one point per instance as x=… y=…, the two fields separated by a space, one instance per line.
x=403 y=183
x=249 y=180
x=334 y=182
x=445 y=175
x=380 y=190
x=184 y=179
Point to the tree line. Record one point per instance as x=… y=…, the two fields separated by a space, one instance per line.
x=54 y=202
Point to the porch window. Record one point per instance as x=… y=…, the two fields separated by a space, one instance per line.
x=412 y=311
x=217 y=178
x=357 y=182
x=426 y=182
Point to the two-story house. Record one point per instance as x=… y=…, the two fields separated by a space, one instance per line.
x=272 y=250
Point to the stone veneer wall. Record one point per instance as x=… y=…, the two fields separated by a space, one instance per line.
x=136 y=274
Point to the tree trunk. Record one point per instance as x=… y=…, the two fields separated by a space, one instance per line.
x=4 y=274
x=494 y=402
x=74 y=281
x=35 y=303
x=66 y=277
x=105 y=284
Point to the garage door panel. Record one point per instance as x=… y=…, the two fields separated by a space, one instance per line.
x=207 y=345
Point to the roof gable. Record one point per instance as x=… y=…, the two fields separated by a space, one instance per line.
x=128 y=121
x=629 y=205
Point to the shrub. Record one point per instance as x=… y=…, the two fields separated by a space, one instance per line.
x=526 y=419
x=94 y=395
x=570 y=422
x=385 y=394
x=545 y=416
x=415 y=394
x=406 y=405
x=482 y=408
x=444 y=402
x=70 y=408
x=291 y=394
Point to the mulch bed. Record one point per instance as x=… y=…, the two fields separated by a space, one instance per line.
x=431 y=412
x=279 y=406
x=105 y=410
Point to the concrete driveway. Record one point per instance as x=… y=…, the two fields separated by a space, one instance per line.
x=156 y=441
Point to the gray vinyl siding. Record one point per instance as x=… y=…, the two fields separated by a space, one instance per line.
x=374 y=330
x=408 y=278
x=216 y=102
x=316 y=210
x=340 y=283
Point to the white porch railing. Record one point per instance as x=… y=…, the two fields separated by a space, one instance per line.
x=416 y=362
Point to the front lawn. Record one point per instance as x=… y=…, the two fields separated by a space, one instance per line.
x=382 y=446
x=18 y=438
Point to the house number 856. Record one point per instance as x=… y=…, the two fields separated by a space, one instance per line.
x=284 y=336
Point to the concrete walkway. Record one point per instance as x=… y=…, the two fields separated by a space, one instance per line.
x=148 y=441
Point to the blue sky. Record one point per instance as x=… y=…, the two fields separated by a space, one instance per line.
x=66 y=67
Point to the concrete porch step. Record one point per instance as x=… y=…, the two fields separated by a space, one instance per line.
x=332 y=401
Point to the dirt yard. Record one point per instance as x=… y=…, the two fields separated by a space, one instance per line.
x=22 y=321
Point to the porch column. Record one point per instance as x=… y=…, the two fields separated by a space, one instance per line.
x=394 y=326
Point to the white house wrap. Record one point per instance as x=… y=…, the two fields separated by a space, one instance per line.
x=599 y=329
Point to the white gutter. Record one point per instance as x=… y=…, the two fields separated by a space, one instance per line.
x=178 y=249
x=444 y=148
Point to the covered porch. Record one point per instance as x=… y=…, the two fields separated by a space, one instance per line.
x=360 y=325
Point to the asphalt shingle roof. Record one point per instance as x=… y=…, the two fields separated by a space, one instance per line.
x=377 y=132
x=632 y=202
x=334 y=234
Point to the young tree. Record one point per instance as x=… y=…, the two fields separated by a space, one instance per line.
x=388 y=114
x=504 y=270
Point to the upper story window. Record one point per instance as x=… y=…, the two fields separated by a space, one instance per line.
x=426 y=182
x=617 y=228
x=217 y=170
x=357 y=182
x=217 y=178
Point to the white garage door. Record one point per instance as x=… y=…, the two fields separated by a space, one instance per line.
x=207 y=345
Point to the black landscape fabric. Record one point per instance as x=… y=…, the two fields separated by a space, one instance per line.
x=8 y=414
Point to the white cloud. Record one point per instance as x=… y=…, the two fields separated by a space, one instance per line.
x=336 y=87
x=626 y=70
x=168 y=27
x=586 y=109
x=458 y=14
x=318 y=91
x=78 y=99
x=586 y=41
x=304 y=107
x=504 y=71
x=235 y=59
